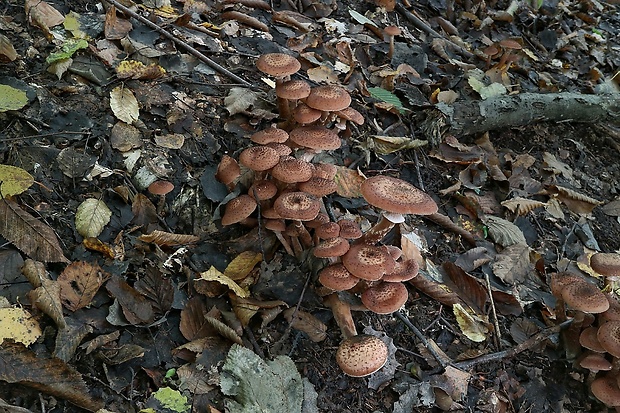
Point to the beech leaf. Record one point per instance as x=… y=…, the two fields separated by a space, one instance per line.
x=124 y=104
x=91 y=217
x=18 y=325
x=14 y=180
x=503 y=232
x=471 y=325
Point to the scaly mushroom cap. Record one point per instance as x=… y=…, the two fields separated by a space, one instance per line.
x=368 y=262
x=319 y=220
x=304 y=114
x=293 y=90
x=292 y=170
x=259 y=158
x=238 y=209
x=403 y=271
x=327 y=230
x=349 y=229
x=228 y=170
x=397 y=196
x=263 y=189
x=297 y=205
x=585 y=296
x=315 y=137
x=361 y=355
x=328 y=98
x=606 y=263
x=560 y=280
x=161 y=187
x=325 y=170
x=269 y=135
x=613 y=312
x=336 y=277
x=351 y=115
x=331 y=247
x=385 y=297
x=280 y=148
x=606 y=390
x=278 y=64
x=609 y=336
x=318 y=186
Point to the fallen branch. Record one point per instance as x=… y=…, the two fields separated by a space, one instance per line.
x=470 y=117
x=215 y=66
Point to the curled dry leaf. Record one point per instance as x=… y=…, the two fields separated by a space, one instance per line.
x=242 y=265
x=522 y=206
x=214 y=275
x=47 y=299
x=7 y=51
x=348 y=182
x=136 y=308
x=34 y=271
x=575 y=201
x=306 y=322
x=168 y=239
x=223 y=330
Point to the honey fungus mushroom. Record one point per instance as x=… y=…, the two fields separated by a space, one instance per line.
x=238 y=209
x=395 y=197
x=281 y=66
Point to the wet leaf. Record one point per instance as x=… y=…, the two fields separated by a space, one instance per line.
x=28 y=234
x=124 y=104
x=503 y=232
x=18 y=325
x=12 y=98
x=79 y=282
x=467 y=287
x=157 y=288
x=136 y=308
x=474 y=327
x=258 y=385
x=91 y=217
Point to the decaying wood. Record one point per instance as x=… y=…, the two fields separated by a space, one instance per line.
x=470 y=117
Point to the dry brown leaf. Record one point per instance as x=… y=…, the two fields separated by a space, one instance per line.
x=34 y=271
x=467 y=287
x=7 y=51
x=125 y=137
x=168 y=239
x=348 y=182
x=474 y=258
x=503 y=232
x=136 y=308
x=475 y=327
x=513 y=264
x=118 y=355
x=193 y=325
x=306 y=322
x=223 y=330
x=157 y=288
x=99 y=341
x=115 y=28
x=144 y=212
x=575 y=201
x=47 y=299
x=437 y=291
x=170 y=141
x=246 y=308
x=21 y=366
x=30 y=236
x=194 y=379
x=69 y=338
x=95 y=244
x=42 y=15
x=612 y=208
x=79 y=282
x=124 y=104
x=522 y=206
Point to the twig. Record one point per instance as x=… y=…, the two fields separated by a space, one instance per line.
x=526 y=345
x=441 y=359
x=215 y=66
x=498 y=334
x=447 y=223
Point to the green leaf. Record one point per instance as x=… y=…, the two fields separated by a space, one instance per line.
x=11 y=98
x=67 y=50
x=387 y=97
x=260 y=386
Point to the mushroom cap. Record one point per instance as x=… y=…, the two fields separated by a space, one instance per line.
x=613 y=312
x=318 y=186
x=394 y=251
x=305 y=114
x=606 y=263
x=297 y=205
x=351 y=115
x=385 y=297
x=275 y=225
x=595 y=362
x=238 y=209
x=161 y=187
x=361 y=355
x=336 y=277
x=228 y=170
x=327 y=230
x=396 y=195
x=560 y=280
x=280 y=148
x=319 y=220
x=263 y=189
x=259 y=158
x=392 y=30
x=325 y=170
x=269 y=135
x=328 y=98
x=349 y=229
x=585 y=296
x=588 y=339
x=315 y=137
x=292 y=170
x=331 y=247
x=270 y=213
x=510 y=44
x=278 y=64
x=403 y=271
x=606 y=390
x=609 y=336
x=293 y=89
x=368 y=262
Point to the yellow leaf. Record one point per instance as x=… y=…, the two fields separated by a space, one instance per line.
x=13 y=180
x=124 y=104
x=91 y=217
x=241 y=266
x=19 y=325
x=213 y=274
x=471 y=325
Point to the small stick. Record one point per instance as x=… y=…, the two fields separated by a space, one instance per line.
x=498 y=334
x=441 y=359
x=215 y=66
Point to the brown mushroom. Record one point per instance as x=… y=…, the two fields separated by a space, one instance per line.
x=594 y=362
x=238 y=209
x=606 y=390
x=608 y=265
x=319 y=187
x=280 y=148
x=349 y=229
x=297 y=206
x=317 y=138
x=291 y=170
x=228 y=171
x=585 y=296
x=390 y=32
x=304 y=114
x=588 y=339
x=259 y=158
x=368 y=262
x=263 y=189
x=327 y=230
x=403 y=271
x=336 y=277
x=325 y=170
x=269 y=135
x=331 y=248
x=328 y=98
x=280 y=66
x=278 y=226
x=385 y=297
x=361 y=355
x=609 y=337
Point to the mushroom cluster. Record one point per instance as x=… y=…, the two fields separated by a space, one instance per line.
x=596 y=320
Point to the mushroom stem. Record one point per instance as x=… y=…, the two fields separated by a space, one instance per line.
x=377 y=232
x=284 y=243
x=304 y=235
x=342 y=315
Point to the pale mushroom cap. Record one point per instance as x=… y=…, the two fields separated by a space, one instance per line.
x=315 y=137
x=403 y=271
x=585 y=296
x=269 y=135
x=259 y=158
x=228 y=170
x=292 y=170
x=368 y=262
x=396 y=195
x=331 y=247
x=361 y=355
x=606 y=390
x=297 y=205
x=328 y=98
x=318 y=186
x=263 y=189
x=161 y=187
x=606 y=263
x=278 y=64
x=238 y=209
x=385 y=297
x=293 y=89
x=336 y=277
x=609 y=336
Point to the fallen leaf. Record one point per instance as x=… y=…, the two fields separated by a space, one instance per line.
x=503 y=232
x=522 y=206
x=348 y=182
x=213 y=274
x=168 y=239
x=474 y=327
x=124 y=104
x=239 y=100
x=513 y=263
x=307 y=323
x=18 y=325
x=136 y=308
x=7 y=51
x=47 y=299
x=79 y=282
x=12 y=98
x=91 y=217
x=242 y=265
